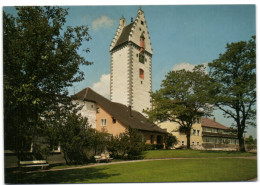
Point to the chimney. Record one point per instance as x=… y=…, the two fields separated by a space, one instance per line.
x=130 y=110
x=214 y=119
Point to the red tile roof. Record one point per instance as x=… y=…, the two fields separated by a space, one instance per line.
x=119 y=111
x=206 y=122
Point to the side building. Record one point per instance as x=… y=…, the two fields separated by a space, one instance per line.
x=114 y=118
x=206 y=134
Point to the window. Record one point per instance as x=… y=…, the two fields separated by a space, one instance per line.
x=141 y=73
x=92 y=106
x=103 y=122
x=207 y=140
x=193 y=143
x=98 y=110
x=151 y=139
x=141 y=58
x=140 y=29
x=141 y=82
x=182 y=143
x=142 y=22
x=198 y=143
x=204 y=129
x=194 y=132
x=137 y=55
x=198 y=132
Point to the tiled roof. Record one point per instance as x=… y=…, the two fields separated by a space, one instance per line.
x=206 y=122
x=124 y=35
x=119 y=111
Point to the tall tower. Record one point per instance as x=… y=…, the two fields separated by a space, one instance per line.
x=131 y=64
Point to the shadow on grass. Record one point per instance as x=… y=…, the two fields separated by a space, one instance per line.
x=64 y=176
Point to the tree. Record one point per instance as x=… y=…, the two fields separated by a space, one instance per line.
x=234 y=78
x=128 y=144
x=182 y=99
x=40 y=61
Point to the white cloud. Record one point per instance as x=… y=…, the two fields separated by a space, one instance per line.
x=186 y=66
x=103 y=86
x=103 y=21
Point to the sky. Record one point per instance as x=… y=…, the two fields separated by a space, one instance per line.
x=181 y=36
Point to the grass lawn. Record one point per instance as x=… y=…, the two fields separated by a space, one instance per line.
x=179 y=170
x=157 y=154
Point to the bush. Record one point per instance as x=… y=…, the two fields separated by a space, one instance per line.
x=127 y=145
x=159 y=146
x=170 y=141
x=150 y=147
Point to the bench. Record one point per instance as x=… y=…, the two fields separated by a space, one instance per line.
x=102 y=157
x=34 y=163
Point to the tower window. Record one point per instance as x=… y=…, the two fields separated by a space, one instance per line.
x=140 y=29
x=141 y=73
x=141 y=58
x=142 y=22
x=137 y=55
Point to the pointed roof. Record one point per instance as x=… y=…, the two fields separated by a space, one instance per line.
x=119 y=111
x=124 y=37
x=206 y=122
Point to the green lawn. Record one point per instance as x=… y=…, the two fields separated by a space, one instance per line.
x=179 y=170
x=157 y=154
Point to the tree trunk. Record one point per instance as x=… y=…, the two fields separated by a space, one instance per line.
x=241 y=143
x=188 y=140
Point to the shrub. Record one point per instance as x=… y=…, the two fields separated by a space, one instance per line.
x=128 y=144
x=170 y=141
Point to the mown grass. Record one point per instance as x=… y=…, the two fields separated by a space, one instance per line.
x=160 y=154
x=178 y=170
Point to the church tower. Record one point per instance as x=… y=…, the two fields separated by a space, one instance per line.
x=131 y=64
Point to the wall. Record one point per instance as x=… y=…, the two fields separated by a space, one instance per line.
x=119 y=75
x=172 y=127
x=88 y=111
x=112 y=128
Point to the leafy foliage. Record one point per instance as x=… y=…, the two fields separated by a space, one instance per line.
x=40 y=61
x=182 y=98
x=234 y=77
x=129 y=144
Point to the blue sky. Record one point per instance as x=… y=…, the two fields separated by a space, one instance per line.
x=181 y=36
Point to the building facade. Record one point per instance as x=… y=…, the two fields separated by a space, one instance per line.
x=205 y=134
x=131 y=64
x=114 y=118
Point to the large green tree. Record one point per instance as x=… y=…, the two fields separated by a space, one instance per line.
x=182 y=98
x=234 y=76
x=41 y=59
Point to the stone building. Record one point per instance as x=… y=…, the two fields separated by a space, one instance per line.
x=131 y=64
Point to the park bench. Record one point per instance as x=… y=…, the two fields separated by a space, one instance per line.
x=34 y=163
x=103 y=157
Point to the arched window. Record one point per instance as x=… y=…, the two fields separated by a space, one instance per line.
x=141 y=73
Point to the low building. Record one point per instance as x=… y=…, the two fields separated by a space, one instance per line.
x=114 y=118
x=205 y=134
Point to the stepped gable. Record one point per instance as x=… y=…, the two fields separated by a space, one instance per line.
x=206 y=122
x=124 y=37
x=119 y=111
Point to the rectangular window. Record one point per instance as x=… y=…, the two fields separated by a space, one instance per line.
x=193 y=143
x=103 y=122
x=183 y=143
x=194 y=132
x=204 y=129
x=198 y=132
x=207 y=140
x=98 y=110
x=198 y=143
